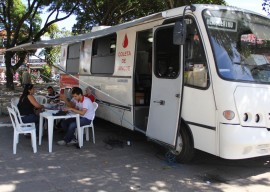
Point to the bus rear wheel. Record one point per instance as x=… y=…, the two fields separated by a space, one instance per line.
x=185 y=148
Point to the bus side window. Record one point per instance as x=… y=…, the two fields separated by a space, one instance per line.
x=73 y=58
x=103 y=55
x=166 y=54
x=195 y=61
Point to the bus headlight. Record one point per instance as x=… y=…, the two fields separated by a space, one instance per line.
x=228 y=114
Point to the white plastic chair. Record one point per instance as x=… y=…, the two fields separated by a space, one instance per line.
x=22 y=129
x=86 y=128
x=15 y=108
x=41 y=99
x=15 y=101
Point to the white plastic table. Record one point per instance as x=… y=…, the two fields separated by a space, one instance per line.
x=49 y=115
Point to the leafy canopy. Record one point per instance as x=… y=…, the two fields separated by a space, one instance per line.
x=266 y=6
x=22 y=23
x=111 y=12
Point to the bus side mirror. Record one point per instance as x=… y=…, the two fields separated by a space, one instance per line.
x=179 y=32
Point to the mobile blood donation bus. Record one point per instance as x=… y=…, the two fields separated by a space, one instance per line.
x=193 y=77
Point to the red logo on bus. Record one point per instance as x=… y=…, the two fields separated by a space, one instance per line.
x=125 y=42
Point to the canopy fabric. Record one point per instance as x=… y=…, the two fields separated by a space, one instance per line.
x=82 y=37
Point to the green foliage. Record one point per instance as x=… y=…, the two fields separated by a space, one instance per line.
x=266 y=6
x=111 y=12
x=22 y=23
x=45 y=73
x=179 y=3
x=52 y=54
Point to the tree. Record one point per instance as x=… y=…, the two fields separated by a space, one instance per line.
x=178 y=3
x=266 y=6
x=22 y=24
x=52 y=54
x=111 y=12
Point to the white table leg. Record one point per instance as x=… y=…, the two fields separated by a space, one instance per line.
x=50 y=133
x=40 y=128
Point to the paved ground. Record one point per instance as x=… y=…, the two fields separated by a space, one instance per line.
x=139 y=167
x=95 y=167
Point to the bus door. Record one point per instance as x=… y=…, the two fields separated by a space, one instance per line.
x=166 y=87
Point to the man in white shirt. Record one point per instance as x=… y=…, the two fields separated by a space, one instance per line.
x=81 y=105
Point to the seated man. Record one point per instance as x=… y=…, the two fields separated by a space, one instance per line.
x=81 y=105
x=52 y=95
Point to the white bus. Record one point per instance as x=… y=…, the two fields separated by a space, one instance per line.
x=194 y=77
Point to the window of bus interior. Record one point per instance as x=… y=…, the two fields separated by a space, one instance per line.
x=166 y=54
x=103 y=55
x=195 y=69
x=241 y=44
x=73 y=58
x=144 y=52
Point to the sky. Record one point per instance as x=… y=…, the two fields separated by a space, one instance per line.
x=254 y=5
x=67 y=23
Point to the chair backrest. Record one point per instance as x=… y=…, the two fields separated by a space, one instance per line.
x=15 y=108
x=95 y=105
x=15 y=101
x=14 y=119
x=41 y=99
x=95 y=108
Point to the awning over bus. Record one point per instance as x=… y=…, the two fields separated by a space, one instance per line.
x=82 y=37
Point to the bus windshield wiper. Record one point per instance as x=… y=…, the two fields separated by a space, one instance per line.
x=265 y=66
x=241 y=63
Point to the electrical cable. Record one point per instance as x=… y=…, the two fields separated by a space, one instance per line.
x=111 y=143
x=170 y=157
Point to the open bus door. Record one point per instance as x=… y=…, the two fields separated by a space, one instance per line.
x=166 y=87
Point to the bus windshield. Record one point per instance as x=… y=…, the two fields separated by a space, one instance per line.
x=241 y=44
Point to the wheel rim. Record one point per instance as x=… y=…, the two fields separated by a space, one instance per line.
x=179 y=146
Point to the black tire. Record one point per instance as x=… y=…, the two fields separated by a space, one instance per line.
x=187 y=153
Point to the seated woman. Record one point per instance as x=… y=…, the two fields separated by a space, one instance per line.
x=27 y=105
x=88 y=93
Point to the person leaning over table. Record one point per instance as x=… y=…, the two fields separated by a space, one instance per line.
x=29 y=107
x=78 y=104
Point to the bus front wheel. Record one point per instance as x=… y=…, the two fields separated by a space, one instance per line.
x=185 y=147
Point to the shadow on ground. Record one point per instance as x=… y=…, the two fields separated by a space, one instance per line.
x=141 y=166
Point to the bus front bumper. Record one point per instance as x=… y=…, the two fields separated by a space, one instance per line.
x=238 y=142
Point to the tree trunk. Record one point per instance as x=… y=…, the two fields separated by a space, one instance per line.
x=9 y=71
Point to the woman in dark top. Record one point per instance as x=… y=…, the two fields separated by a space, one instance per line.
x=27 y=105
